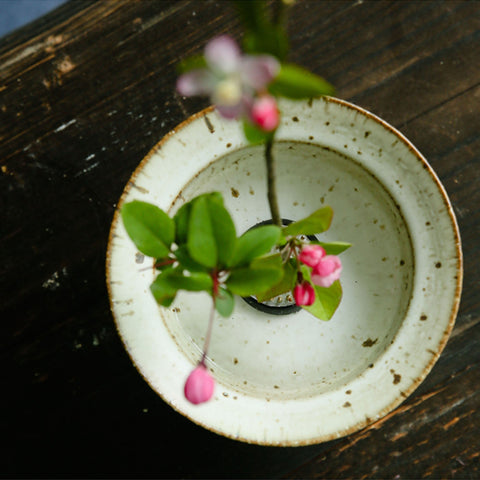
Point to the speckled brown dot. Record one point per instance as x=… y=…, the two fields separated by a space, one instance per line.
x=225 y=394
x=327 y=123
x=369 y=342
x=310 y=137
x=295 y=119
x=235 y=360
x=402 y=263
x=235 y=192
x=348 y=392
x=367 y=134
x=427 y=224
x=228 y=145
x=438 y=265
x=276 y=387
x=423 y=317
x=396 y=377
x=347 y=404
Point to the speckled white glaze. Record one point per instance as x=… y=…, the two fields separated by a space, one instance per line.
x=295 y=380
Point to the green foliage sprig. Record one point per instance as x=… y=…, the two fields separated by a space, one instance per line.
x=198 y=250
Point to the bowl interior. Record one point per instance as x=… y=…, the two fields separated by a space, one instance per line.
x=297 y=355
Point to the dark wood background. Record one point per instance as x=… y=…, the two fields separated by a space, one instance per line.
x=85 y=92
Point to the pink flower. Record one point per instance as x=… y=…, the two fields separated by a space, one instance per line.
x=311 y=255
x=304 y=294
x=265 y=113
x=231 y=79
x=199 y=385
x=326 y=271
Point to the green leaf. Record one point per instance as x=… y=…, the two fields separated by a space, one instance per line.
x=261 y=35
x=224 y=302
x=253 y=281
x=285 y=285
x=181 y=219
x=195 y=62
x=253 y=134
x=271 y=40
x=268 y=261
x=194 y=282
x=223 y=230
x=201 y=242
x=326 y=302
x=254 y=243
x=162 y=289
x=295 y=82
x=333 y=248
x=187 y=262
x=151 y=229
x=317 y=222
x=252 y=13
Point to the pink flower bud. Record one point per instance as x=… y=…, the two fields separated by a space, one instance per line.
x=265 y=113
x=311 y=255
x=326 y=271
x=199 y=386
x=304 y=294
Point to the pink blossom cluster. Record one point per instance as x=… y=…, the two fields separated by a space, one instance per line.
x=236 y=83
x=326 y=269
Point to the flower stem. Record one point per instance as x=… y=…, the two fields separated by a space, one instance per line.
x=209 y=333
x=278 y=12
x=271 y=187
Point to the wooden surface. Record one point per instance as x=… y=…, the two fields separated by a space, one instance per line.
x=85 y=92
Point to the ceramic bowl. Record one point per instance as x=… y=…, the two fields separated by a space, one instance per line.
x=293 y=379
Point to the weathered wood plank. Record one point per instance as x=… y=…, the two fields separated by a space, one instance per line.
x=85 y=93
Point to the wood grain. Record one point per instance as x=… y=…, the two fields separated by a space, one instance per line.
x=85 y=93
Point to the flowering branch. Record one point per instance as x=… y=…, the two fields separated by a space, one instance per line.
x=198 y=249
x=271 y=185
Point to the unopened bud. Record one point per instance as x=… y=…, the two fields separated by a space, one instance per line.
x=199 y=385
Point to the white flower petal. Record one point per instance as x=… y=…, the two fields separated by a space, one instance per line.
x=258 y=71
x=230 y=112
x=223 y=54
x=195 y=82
